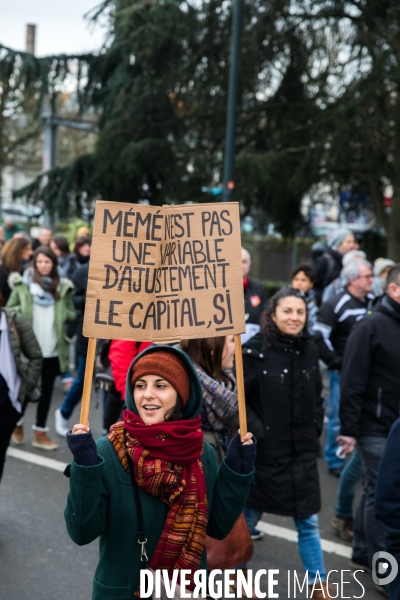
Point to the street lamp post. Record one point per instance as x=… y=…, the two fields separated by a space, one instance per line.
x=229 y=162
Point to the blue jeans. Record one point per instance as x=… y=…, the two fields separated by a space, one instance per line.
x=309 y=541
x=75 y=392
x=333 y=428
x=351 y=475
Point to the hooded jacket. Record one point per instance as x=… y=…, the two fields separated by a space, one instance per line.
x=101 y=503
x=370 y=377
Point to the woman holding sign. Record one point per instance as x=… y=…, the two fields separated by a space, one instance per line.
x=154 y=478
x=285 y=411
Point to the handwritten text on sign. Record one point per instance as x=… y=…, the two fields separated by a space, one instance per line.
x=164 y=274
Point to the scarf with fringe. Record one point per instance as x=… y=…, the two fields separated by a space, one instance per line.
x=167 y=463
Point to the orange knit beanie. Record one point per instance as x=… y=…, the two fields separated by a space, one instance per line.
x=167 y=365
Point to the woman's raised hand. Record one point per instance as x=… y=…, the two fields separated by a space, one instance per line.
x=80 y=428
x=247 y=439
x=84 y=447
x=241 y=453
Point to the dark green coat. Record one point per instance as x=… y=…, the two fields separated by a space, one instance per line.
x=101 y=504
x=26 y=345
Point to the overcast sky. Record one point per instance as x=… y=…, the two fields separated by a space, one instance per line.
x=60 y=25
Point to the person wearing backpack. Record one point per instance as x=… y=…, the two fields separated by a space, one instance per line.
x=18 y=377
x=329 y=265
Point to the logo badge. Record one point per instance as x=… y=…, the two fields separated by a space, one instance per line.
x=255 y=300
x=384 y=568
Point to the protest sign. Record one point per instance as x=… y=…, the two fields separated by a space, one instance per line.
x=165 y=273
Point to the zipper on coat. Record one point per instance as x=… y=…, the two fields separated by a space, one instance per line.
x=379 y=407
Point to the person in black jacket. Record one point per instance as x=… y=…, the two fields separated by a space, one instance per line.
x=387 y=500
x=329 y=265
x=43 y=238
x=285 y=411
x=62 y=414
x=254 y=294
x=336 y=319
x=370 y=383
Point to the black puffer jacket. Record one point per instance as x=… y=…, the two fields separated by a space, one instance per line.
x=370 y=378
x=327 y=269
x=80 y=281
x=285 y=413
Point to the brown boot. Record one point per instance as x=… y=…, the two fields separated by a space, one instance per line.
x=234 y=588
x=43 y=441
x=343 y=527
x=328 y=591
x=18 y=435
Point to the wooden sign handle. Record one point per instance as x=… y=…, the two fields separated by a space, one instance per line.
x=87 y=385
x=240 y=385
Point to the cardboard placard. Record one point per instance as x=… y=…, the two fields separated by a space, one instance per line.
x=165 y=273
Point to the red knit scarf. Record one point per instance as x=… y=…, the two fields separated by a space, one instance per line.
x=166 y=458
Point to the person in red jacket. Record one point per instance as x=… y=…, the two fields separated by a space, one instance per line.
x=121 y=355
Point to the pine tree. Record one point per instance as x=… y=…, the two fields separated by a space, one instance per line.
x=364 y=124
x=159 y=89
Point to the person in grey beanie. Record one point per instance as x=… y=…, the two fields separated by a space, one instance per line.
x=381 y=269
x=329 y=265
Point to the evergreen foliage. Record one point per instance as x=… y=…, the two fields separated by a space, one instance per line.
x=318 y=102
x=363 y=135
x=159 y=88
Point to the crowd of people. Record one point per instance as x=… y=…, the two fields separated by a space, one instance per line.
x=336 y=327
x=38 y=291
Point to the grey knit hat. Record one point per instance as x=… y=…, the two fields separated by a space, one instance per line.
x=381 y=264
x=336 y=236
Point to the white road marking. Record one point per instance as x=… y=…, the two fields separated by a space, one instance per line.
x=35 y=459
x=291 y=536
x=272 y=530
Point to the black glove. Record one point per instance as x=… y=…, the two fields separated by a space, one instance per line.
x=83 y=447
x=239 y=457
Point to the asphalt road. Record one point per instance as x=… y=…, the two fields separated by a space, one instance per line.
x=39 y=561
